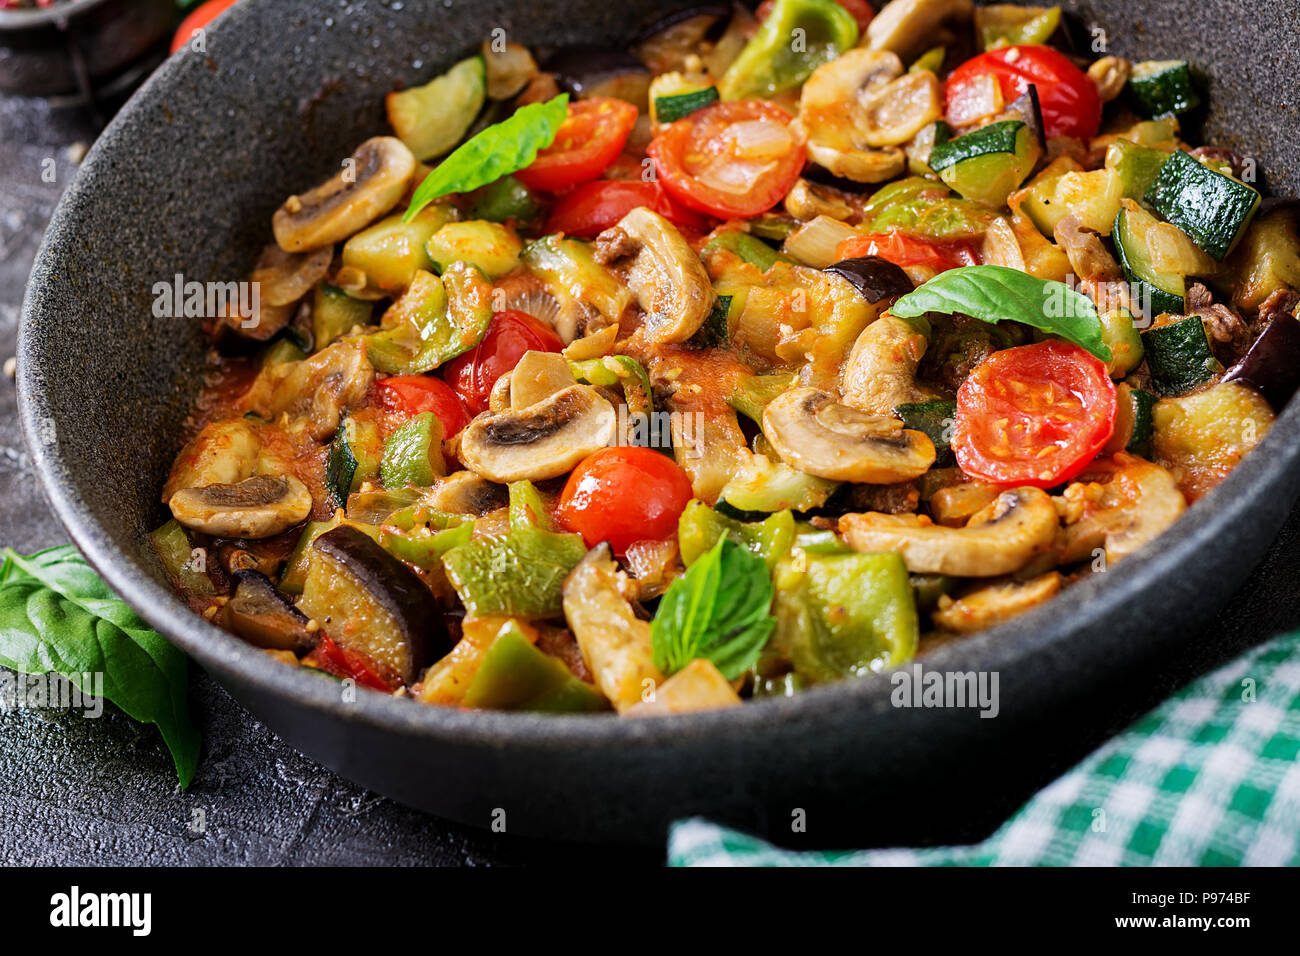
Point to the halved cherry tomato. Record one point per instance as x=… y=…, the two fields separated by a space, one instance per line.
x=624 y=495
x=1033 y=415
x=904 y=250
x=860 y=9
x=198 y=18
x=730 y=160
x=1069 y=100
x=593 y=207
x=590 y=138
x=341 y=662
x=511 y=334
x=408 y=395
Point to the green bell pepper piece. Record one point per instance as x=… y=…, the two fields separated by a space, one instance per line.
x=503 y=200
x=413 y=453
x=618 y=370
x=515 y=675
x=177 y=557
x=518 y=575
x=422 y=535
x=527 y=509
x=700 y=527
x=374 y=507
x=750 y=249
x=753 y=393
x=434 y=321
x=843 y=614
x=778 y=58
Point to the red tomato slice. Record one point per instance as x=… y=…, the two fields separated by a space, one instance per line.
x=409 y=395
x=904 y=250
x=1033 y=415
x=593 y=207
x=511 y=334
x=341 y=662
x=199 y=18
x=730 y=160
x=624 y=495
x=1069 y=100
x=590 y=139
x=860 y=10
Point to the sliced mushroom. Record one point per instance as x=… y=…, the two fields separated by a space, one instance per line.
x=264 y=617
x=818 y=436
x=545 y=440
x=465 y=493
x=666 y=275
x=994 y=603
x=1001 y=539
x=221 y=453
x=285 y=277
x=257 y=507
x=880 y=373
x=1118 y=505
x=860 y=165
x=807 y=200
x=955 y=505
x=372 y=181
x=1089 y=257
x=910 y=27
x=315 y=392
x=615 y=643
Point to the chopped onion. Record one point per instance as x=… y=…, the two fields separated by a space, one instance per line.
x=814 y=243
x=974 y=101
x=758 y=139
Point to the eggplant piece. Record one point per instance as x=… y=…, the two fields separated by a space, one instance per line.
x=587 y=71
x=1025 y=109
x=665 y=44
x=371 y=603
x=264 y=617
x=1271 y=365
x=875 y=278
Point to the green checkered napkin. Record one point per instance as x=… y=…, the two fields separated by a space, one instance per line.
x=1208 y=778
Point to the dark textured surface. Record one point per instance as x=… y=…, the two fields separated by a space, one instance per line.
x=184 y=182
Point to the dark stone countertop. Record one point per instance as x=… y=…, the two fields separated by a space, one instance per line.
x=77 y=791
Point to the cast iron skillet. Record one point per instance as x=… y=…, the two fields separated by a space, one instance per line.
x=185 y=180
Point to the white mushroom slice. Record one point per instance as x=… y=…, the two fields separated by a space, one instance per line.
x=955 y=505
x=807 y=200
x=545 y=440
x=697 y=686
x=994 y=603
x=285 y=277
x=860 y=165
x=614 y=642
x=910 y=27
x=1019 y=525
x=538 y=376
x=465 y=493
x=372 y=181
x=314 y=393
x=1125 y=503
x=818 y=436
x=257 y=507
x=221 y=453
x=667 y=277
x=880 y=373
x=864 y=99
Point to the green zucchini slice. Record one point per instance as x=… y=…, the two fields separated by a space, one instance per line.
x=1178 y=356
x=353 y=458
x=1163 y=290
x=1161 y=88
x=433 y=118
x=334 y=313
x=669 y=109
x=935 y=418
x=987 y=164
x=1212 y=208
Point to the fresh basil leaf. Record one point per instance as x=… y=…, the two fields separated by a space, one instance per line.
x=499 y=150
x=720 y=610
x=57 y=616
x=996 y=293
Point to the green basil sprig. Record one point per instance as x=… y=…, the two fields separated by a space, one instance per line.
x=57 y=616
x=499 y=150
x=997 y=293
x=720 y=610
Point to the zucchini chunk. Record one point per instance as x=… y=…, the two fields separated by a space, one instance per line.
x=490 y=247
x=1268 y=257
x=371 y=603
x=413 y=453
x=1202 y=436
x=353 y=458
x=1133 y=421
x=1179 y=357
x=674 y=95
x=433 y=118
x=1153 y=259
x=1212 y=208
x=987 y=164
x=515 y=675
x=935 y=419
x=1161 y=88
x=334 y=313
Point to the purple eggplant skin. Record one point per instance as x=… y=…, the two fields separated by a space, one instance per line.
x=263 y=616
x=875 y=279
x=579 y=69
x=721 y=11
x=395 y=588
x=1271 y=365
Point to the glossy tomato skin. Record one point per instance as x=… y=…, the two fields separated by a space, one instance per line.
x=1033 y=415
x=698 y=163
x=904 y=250
x=406 y=396
x=1069 y=100
x=591 y=137
x=510 y=335
x=198 y=18
x=592 y=208
x=624 y=495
